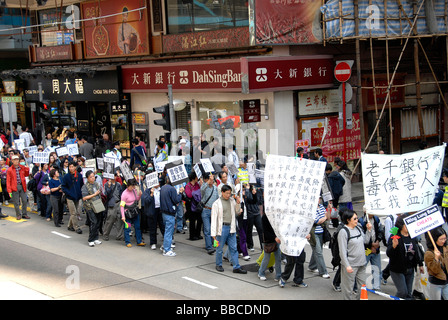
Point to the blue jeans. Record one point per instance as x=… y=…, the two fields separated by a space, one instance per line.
x=138 y=234
x=206 y=222
x=278 y=263
x=403 y=282
x=230 y=238
x=317 y=258
x=169 y=222
x=436 y=292
x=375 y=260
x=179 y=217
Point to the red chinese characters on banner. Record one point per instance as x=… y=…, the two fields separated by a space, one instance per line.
x=333 y=145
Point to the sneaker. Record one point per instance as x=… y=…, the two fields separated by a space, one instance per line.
x=153 y=247
x=325 y=276
x=170 y=253
x=383 y=281
x=313 y=270
x=97 y=242
x=246 y=258
x=91 y=244
x=300 y=285
x=262 y=278
x=336 y=288
x=141 y=244
x=6 y=203
x=281 y=283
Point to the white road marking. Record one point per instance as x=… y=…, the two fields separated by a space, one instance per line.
x=60 y=234
x=200 y=283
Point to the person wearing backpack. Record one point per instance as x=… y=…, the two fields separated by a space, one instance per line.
x=373 y=247
x=352 y=253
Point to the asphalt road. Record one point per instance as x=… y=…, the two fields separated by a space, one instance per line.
x=40 y=261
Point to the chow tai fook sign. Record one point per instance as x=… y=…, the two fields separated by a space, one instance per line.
x=103 y=86
x=223 y=75
x=261 y=74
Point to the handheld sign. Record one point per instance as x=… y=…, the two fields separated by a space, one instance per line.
x=176 y=172
x=152 y=180
x=423 y=221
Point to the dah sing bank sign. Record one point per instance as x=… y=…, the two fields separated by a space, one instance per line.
x=223 y=75
x=261 y=74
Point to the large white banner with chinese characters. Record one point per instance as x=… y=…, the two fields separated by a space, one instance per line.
x=401 y=183
x=292 y=188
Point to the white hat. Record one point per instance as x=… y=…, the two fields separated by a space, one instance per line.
x=182 y=141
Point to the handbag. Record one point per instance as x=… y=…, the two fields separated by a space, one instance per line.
x=200 y=205
x=326 y=234
x=131 y=213
x=270 y=247
x=45 y=190
x=98 y=205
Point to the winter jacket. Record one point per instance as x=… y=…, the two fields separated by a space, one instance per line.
x=11 y=178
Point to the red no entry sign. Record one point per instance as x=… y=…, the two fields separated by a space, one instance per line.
x=342 y=71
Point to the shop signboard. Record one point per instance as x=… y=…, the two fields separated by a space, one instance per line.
x=264 y=74
x=103 y=86
x=197 y=76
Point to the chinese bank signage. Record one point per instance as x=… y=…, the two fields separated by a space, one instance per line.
x=103 y=86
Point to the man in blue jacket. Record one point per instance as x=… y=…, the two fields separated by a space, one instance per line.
x=138 y=156
x=169 y=198
x=71 y=186
x=151 y=207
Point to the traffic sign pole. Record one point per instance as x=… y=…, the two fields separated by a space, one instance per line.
x=342 y=73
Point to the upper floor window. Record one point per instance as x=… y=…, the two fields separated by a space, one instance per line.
x=205 y=15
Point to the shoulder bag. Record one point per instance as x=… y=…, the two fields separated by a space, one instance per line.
x=200 y=205
x=97 y=204
x=130 y=212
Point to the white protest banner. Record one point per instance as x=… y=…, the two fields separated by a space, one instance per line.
x=207 y=165
x=176 y=172
x=291 y=191
x=31 y=150
x=423 y=221
x=41 y=157
x=251 y=172
x=401 y=183
x=152 y=180
x=62 y=151
x=108 y=167
x=73 y=149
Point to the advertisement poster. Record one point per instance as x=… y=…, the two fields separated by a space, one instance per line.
x=109 y=34
x=287 y=22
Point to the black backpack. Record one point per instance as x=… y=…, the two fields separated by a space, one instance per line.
x=334 y=245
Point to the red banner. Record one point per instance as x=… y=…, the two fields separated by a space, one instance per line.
x=287 y=22
x=333 y=145
x=109 y=34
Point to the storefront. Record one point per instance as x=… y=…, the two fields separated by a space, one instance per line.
x=78 y=100
x=215 y=91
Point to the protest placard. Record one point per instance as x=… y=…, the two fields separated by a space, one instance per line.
x=19 y=144
x=85 y=170
x=292 y=188
x=423 y=221
x=198 y=170
x=100 y=163
x=176 y=172
x=31 y=150
x=91 y=163
x=41 y=157
x=207 y=165
x=108 y=168
x=251 y=172
x=160 y=166
x=73 y=149
x=152 y=180
x=62 y=151
x=401 y=183
x=126 y=171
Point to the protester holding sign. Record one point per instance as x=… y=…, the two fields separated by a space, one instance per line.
x=404 y=255
x=436 y=260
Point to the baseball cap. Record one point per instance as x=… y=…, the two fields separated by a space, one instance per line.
x=15 y=157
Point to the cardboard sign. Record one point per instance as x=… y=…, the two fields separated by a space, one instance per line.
x=423 y=221
x=62 y=151
x=73 y=149
x=41 y=157
x=176 y=172
x=108 y=167
x=207 y=165
x=152 y=180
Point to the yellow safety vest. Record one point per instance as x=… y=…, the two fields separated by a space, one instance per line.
x=243 y=175
x=445 y=198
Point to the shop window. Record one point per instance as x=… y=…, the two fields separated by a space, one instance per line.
x=57 y=27
x=205 y=15
x=60 y=116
